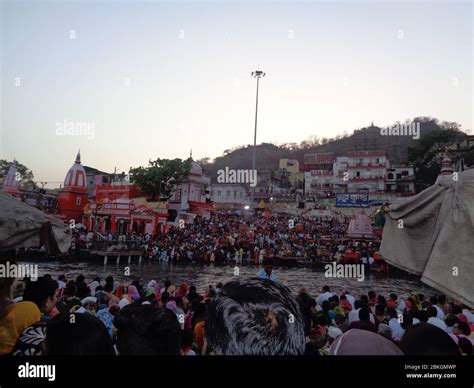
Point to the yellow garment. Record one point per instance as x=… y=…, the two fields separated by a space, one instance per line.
x=15 y=318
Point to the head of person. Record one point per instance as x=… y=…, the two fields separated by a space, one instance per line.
x=364 y=314
x=441 y=299
x=433 y=300
x=326 y=289
x=450 y=320
x=431 y=311
x=77 y=335
x=371 y=294
x=422 y=316
x=390 y=313
x=362 y=342
x=393 y=297
x=147 y=330
x=255 y=317
x=43 y=293
x=62 y=278
x=80 y=278
x=461 y=328
x=425 y=339
x=268 y=266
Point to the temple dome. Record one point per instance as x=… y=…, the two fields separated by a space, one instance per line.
x=76 y=176
x=196 y=169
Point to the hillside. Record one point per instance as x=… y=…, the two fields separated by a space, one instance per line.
x=369 y=138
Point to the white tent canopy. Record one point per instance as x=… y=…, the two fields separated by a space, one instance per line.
x=431 y=234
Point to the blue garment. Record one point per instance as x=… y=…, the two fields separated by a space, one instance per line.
x=263 y=275
x=107 y=319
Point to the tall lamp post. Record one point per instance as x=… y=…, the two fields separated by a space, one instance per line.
x=256 y=74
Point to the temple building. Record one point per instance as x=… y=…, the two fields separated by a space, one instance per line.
x=10 y=184
x=117 y=207
x=73 y=196
x=191 y=197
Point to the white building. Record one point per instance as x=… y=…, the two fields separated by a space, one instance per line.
x=366 y=171
x=229 y=193
x=192 y=196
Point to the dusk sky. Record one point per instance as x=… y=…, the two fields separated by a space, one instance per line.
x=156 y=79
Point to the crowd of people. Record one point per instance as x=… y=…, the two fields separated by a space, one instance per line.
x=246 y=316
x=246 y=237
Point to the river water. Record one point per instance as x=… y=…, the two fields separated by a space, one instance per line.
x=203 y=275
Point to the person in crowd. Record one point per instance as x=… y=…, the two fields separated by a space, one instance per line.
x=267 y=271
x=325 y=295
x=425 y=339
x=255 y=317
x=42 y=292
x=15 y=318
x=86 y=335
x=364 y=322
x=147 y=330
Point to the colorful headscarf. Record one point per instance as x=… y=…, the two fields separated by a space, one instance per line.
x=133 y=292
x=13 y=321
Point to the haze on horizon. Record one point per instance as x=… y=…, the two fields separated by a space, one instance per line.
x=157 y=79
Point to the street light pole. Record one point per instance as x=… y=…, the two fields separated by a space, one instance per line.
x=256 y=74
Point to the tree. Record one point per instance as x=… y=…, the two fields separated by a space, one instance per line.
x=427 y=152
x=161 y=177
x=26 y=175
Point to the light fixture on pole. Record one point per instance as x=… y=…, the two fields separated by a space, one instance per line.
x=256 y=74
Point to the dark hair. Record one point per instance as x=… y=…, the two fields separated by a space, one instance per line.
x=364 y=299
x=379 y=309
x=108 y=287
x=71 y=288
x=187 y=338
x=421 y=297
x=393 y=296
x=83 y=290
x=147 y=330
x=364 y=314
x=455 y=309
x=80 y=278
x=432 y=312
x=392 y=313
x=357 y=304
x=465 y=345
x=422 y=315
x=77 y=335
x=433 y=300
x=343 y=297
x=381 y=300
x=441 y=299
x=426 y=339
x=450 y=320
x=407 y=320
x=464 y=327
x=62 y=277
x=165 y=297
x=167 y=284
x=326 y=289
x=371 y=294
x=255 y=317
x=39 y=291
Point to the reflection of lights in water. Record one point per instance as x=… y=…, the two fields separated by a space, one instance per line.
x=203 y=275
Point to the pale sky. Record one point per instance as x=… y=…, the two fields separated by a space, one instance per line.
x=156 y=79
